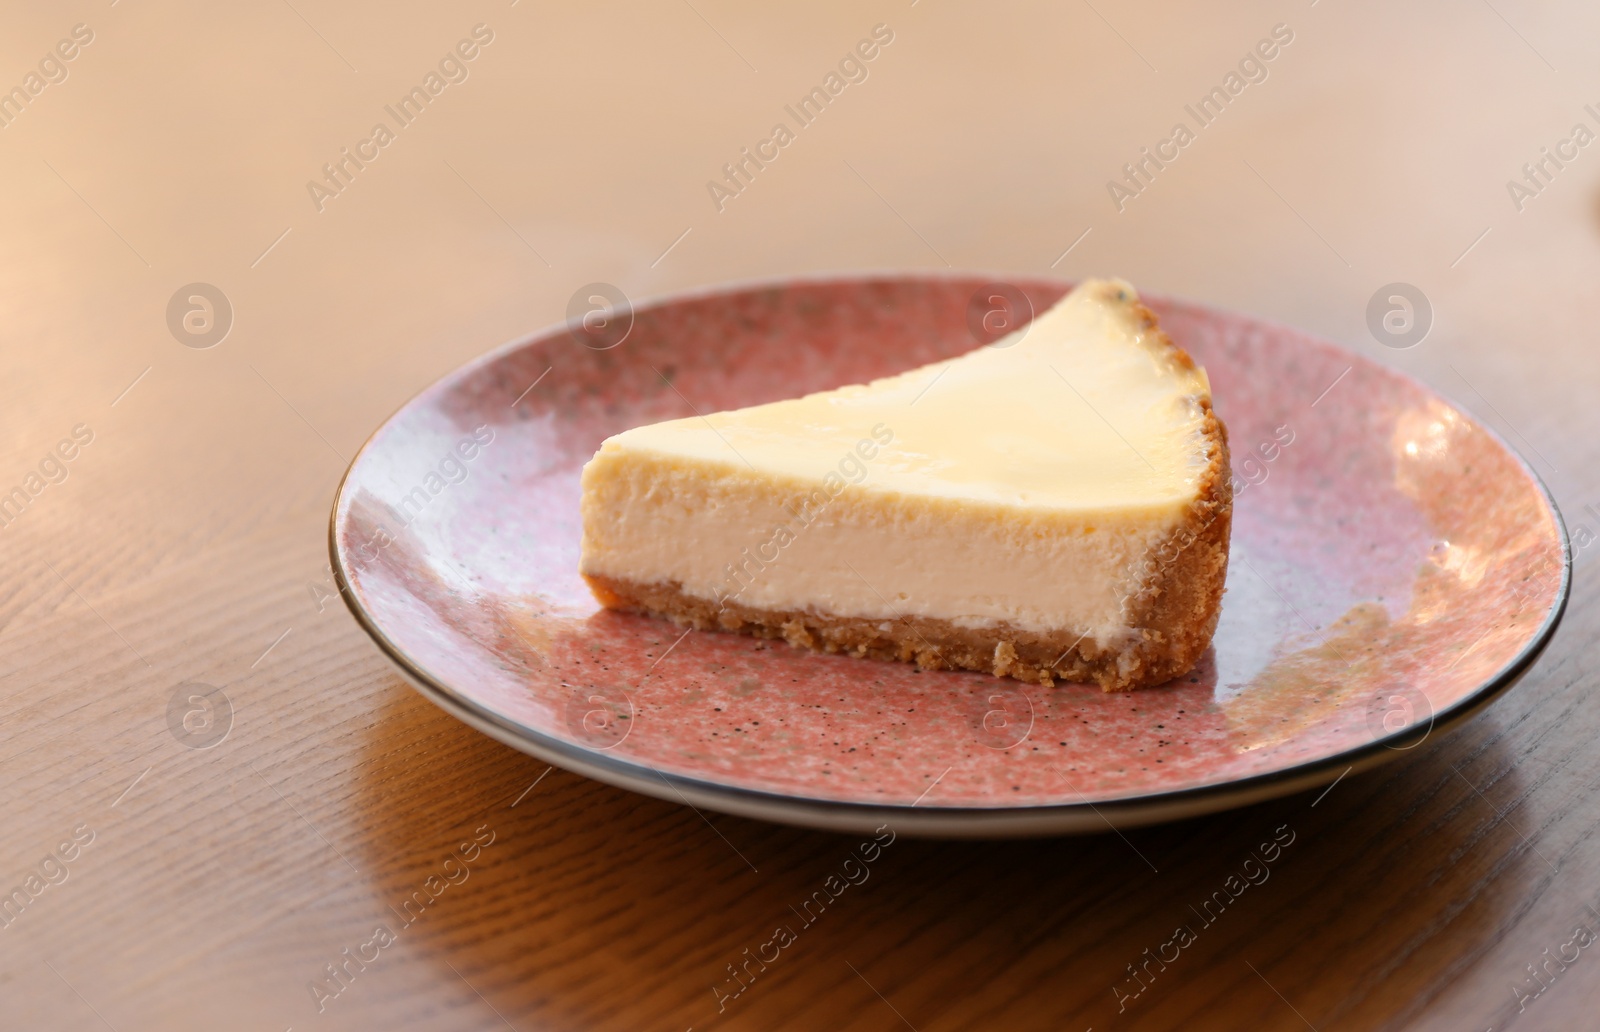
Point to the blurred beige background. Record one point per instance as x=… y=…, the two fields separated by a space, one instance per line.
x=987 y=136
x=187 y=535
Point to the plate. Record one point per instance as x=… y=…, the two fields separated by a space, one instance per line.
x=1395 y=566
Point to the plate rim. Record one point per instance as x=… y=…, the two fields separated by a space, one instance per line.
x=1035 y=819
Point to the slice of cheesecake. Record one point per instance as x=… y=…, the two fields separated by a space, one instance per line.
x=1053 y=505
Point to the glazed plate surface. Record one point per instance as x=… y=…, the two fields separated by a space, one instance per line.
x=1394 y=567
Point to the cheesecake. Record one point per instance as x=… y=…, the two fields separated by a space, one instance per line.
x=1054 y=505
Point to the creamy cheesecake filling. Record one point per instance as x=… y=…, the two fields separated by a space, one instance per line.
x=1029 y=483
x=1085 y=409
x=719 y=537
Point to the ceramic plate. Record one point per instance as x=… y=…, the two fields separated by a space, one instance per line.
x=1394 y=567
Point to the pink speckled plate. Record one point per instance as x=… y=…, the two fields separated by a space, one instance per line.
x=1395 y=566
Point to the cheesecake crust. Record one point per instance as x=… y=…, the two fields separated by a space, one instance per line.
x=1170 y=620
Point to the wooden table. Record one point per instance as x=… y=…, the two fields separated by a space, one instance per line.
x=211 y=888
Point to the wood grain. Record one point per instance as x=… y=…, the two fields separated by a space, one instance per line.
x=188 y=537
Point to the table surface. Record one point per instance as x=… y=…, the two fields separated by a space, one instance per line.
x=185 y=543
